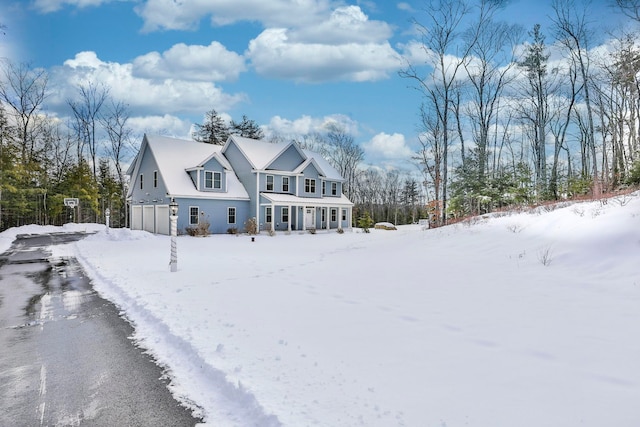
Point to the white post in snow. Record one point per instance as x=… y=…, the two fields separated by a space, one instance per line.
x=173 y=217
x=107 y=214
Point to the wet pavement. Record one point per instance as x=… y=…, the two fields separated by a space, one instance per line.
x=66 y=357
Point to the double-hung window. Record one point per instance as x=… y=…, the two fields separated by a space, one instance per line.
x=334 y=188
x=269 y=182
x=142 y=181
x=285 y=214
x=285 y=184
x=212 y=180
x=334 y=215
x=231 y=216
x=194 y=213
x=268 y=215
x=155 y=179
x=309 y=185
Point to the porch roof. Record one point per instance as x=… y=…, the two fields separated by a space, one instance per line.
x=291 y=200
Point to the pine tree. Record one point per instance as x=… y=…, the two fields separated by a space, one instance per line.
x=247 y=128
x=213 y=131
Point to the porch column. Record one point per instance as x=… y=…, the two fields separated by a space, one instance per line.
x=273 y=217
x=350 y=216
x=304 y=218
x=328 y=218
x=290 y=216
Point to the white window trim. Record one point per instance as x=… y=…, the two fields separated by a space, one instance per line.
x=197 y=216
x=282 y=211
x=268 y=212
x=288 y=184
x=311 y=180
x=235 y=214
x=213 y=180
x=266 y=182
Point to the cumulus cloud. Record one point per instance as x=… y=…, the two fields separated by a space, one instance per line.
x=306 y=125
x=387 y=147
x=165 y=125
x=190 y=62
x=274 y=55
x=173 y=15
x=143 y=95
x=345 y=25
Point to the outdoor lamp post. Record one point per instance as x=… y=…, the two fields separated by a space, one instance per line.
x=173 y=217
x=107 y=214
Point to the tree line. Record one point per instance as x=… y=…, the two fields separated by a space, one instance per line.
x=502 y=126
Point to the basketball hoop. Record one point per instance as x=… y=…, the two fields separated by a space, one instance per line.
x=71 y=202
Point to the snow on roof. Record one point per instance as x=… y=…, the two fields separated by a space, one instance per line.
x=259 y=153
x=330 y=172
x=292 y=200
x=174 y=156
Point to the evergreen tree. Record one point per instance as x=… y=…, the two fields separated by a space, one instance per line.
x=213 y=131
x=247 y=128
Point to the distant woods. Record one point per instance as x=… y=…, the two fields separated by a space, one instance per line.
x=503 y=124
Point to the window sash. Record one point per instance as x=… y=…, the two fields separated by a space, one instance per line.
x=194 y=215
x=269 y=182
x=268 y=214
x=231 y=216
x=285 y=215
x=285 y=184
x=309 y=185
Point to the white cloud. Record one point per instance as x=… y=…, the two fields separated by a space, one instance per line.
x=387 y=147
x=170 y=14
x=344 y=25
x=47 y=6
x=164 y=125
x=190 y=62
x=274 y=55
x=306 y=125
x=405 y=6
x=143 y=95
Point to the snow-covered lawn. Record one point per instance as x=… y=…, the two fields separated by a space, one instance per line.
x=529 y=319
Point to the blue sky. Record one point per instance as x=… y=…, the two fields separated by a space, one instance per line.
x=291 y=65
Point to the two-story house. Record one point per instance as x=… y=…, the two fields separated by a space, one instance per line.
x=279 y=184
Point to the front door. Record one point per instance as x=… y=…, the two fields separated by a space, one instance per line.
x=310 y=217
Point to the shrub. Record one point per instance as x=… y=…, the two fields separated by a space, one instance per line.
x=251 y=226
x=232 y=230
x=365 y=222
x=340 y=231
x=201 y=229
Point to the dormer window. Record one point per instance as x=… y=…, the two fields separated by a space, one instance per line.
x=212 y=180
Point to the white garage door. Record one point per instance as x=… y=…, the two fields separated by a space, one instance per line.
x=136 y=217
x=162 y=219
x=148 y=219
